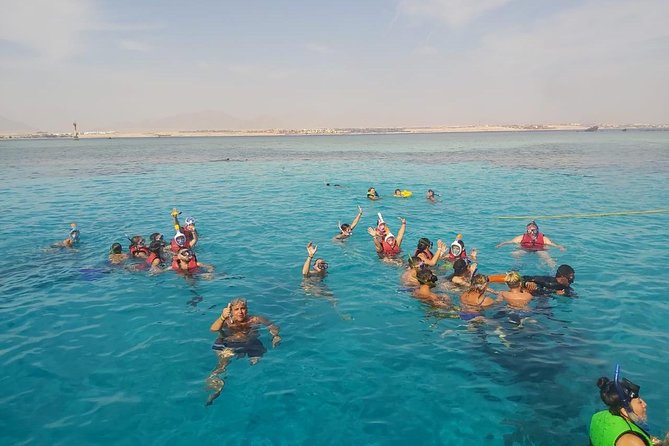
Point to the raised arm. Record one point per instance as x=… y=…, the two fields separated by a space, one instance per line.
x=377 y=240
x=513 y=240
x=400 y=233
x=221 y=320
x=311 y=250
x=356 y=220
x=175 y=215
x=441 y=249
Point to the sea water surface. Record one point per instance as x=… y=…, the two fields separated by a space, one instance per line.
x=95 y=354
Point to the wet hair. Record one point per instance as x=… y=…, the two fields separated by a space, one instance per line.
x=423 y=244
x=426 y=277
x=612 y=398
x=115 y=248
x=415 y=262
x=239 y=300
x=136 y=239
x=479 y=282
x=564 y=271
x=533 y=223
x=345 y=226
x=154 y=236
x=513 y=279
x=459 y=267
x=155 y=246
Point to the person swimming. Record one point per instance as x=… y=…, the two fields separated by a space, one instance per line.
x=516 y=297
x=372 y=195
x=320 y=265
x=72 y=239
x=116 y=254
x=428 y=280
x=346 y=230
x=238 y=336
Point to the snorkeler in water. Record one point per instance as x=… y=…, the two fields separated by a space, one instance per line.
x=372 y=195
x=425 y=255
x=431 y=196
x=320 y=265
x=188 y=229
x=534 y=241
x=427 y=280
x=559 y=284
x=116 y=254
x=72 y=239
x=345 y=230
x=238 y=336
x=388 y=245
x=516 y=296
x=185 y=262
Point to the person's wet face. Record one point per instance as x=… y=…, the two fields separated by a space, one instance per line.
x=565 y=280
x=638 y=405
x=391 y=241
x=239 y=311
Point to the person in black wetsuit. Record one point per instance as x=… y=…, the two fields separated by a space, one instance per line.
x=544 y=285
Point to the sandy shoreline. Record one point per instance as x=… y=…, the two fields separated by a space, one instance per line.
x=325 y=131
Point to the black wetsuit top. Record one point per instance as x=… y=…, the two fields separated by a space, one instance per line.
x=548 y=285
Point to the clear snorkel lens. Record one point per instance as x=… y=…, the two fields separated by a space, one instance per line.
x=626 y=398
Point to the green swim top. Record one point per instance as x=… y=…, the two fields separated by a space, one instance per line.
x=606 y=429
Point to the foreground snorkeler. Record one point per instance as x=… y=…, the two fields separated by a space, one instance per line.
x=516 y=297
x=425 y=255
x=238 y=337
x=320 y=265
x=346 y=230
x=474 y=300
x=560 y=284
x=427 y=281
x=624 y=421
x=185 y=262
x=534 y=241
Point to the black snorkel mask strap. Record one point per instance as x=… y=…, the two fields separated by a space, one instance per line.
x=625 y=402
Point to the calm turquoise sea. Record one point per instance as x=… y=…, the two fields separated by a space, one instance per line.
x=92 y=354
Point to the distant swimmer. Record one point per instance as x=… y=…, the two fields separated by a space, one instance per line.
x=534 y=241
x=72 y=239
x=116 y=254
x=427 y=280
x=372 y=195
x=238 y=336
x=320 y=265
x=516 y=296
x=560 y=284
x=389 y=245
x=345 y=230
x=431 y=196
x=402 y=193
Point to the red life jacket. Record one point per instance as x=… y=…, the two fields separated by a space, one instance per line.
x=390 y=250
x=192 y=265
x=134 y=250
x=452 y=258
x=153 y=256
x=427 y=252
x=532 y=245
x=174 y=247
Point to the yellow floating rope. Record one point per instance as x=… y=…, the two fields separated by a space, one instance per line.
x=591 y=215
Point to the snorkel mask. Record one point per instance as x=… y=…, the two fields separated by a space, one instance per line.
x=424 y=243
x=532 y=228
x=627 y=391
x=190 y=221
x=345 y=228
x=74 y=233
x=180 y=239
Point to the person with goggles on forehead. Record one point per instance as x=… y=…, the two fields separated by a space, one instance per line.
x=345 y=230
x=623 y=423
x=560 y=284
x=320 y=265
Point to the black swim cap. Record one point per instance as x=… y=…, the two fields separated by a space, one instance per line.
x=564 y=271
x=426 y=276
x=424 y=243
x=116 y=248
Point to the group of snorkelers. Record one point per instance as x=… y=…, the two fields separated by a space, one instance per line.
x=158 y=256
x=373 y=195
x=623 y=423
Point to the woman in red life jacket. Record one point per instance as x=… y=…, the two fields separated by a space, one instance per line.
x=179 y=242
x=389 y=245
x=155 y=260
x=185 y=262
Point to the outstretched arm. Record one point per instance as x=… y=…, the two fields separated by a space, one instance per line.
x=356 y=220
x=513 y=240
x=311 y=250
x=193 y=242
x=550 y=242
x=400 y=233
x=273 y=329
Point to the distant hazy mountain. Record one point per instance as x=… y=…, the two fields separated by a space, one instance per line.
x=205 y=120
x=9 y=126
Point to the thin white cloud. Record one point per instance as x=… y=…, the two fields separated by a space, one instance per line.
x=455 y=13
x=317 y=48
x=133 y=45
x=51 y=30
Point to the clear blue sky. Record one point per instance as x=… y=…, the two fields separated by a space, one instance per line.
x=332 y=64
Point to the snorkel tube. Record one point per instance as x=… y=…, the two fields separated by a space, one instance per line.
x=74 y=233
x=625 y=401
